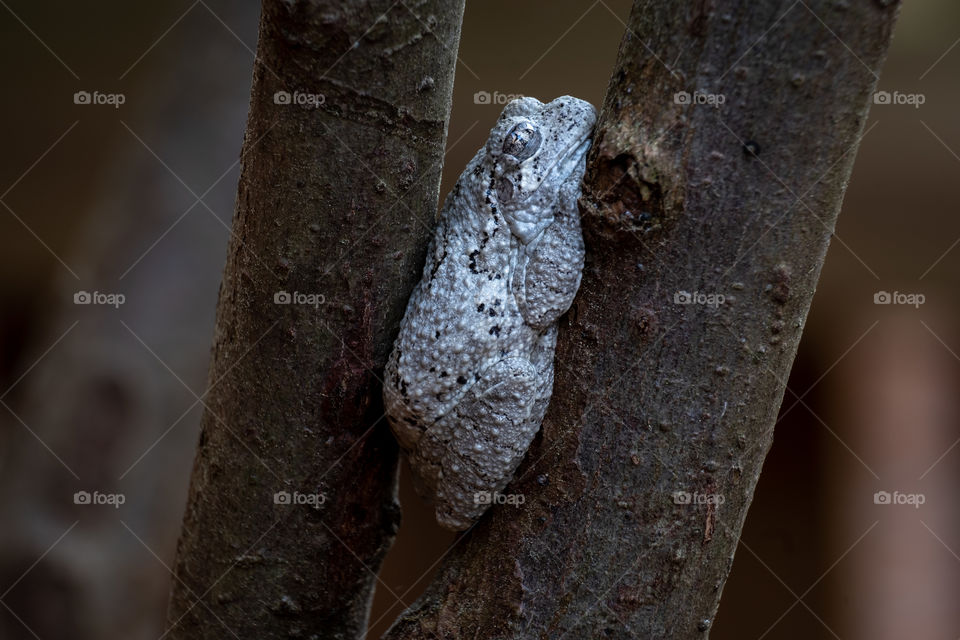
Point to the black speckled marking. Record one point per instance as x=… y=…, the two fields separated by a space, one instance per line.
x=436 y=265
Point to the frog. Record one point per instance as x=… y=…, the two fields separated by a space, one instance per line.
x=467 y=383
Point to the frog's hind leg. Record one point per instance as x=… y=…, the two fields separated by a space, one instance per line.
x=477 y=446
x=542 y=359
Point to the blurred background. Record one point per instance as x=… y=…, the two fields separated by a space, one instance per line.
x=122 y=125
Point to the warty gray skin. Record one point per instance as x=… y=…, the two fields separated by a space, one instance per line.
x=470 y=375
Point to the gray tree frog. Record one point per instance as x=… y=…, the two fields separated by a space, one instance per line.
x=471 y=372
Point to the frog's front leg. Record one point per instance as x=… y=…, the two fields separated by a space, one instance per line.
x=549 y=273
x=478 y=445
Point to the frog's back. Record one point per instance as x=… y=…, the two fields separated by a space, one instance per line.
x=460 y=319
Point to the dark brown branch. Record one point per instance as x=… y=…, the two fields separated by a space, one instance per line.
x=336 y=200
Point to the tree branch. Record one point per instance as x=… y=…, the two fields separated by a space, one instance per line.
x=340 y=180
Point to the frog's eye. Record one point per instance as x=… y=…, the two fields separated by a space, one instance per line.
x=522 y=141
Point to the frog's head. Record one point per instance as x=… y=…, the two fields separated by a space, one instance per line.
x=534 y=150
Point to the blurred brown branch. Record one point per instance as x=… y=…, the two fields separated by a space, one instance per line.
x=100 y=405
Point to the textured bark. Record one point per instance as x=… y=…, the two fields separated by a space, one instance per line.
x=336 y=200
x=654 y=397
